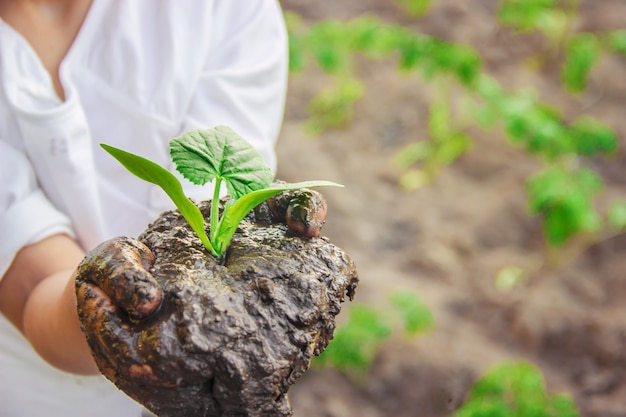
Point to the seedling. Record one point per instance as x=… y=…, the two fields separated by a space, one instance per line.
x=216 y=155
x=357 y=342
x=515 y=389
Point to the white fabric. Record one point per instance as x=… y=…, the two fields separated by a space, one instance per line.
x=139 y=73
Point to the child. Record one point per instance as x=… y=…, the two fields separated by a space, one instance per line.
x=133 y=74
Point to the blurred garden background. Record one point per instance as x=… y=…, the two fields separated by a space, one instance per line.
x=481 y=145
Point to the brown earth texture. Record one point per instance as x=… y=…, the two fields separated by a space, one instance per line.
x=448 y=241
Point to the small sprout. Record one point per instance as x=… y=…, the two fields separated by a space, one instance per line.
x=357 y=341
x=213 y=155
x=416 y=317
x=515 y=389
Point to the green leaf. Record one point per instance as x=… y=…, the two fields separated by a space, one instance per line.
x=452 y=148
x=412 y=153
x=565 y=200
x=203 y=155
x=297 y=44
x=582 y=51
x=525 y=15
x=328 y=41
x=155 y=174
x=439 y=120
x=356 y=342
x=370 y=36
x=413 y=49
x=592 y=137
x=333 y=106
x=617 y=41
x=415 y=315
x=235 y=212
x=515 y=389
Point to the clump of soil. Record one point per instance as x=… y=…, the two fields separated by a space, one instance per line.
x=231 y=336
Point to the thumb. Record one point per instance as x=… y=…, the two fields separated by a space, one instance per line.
x=120 y=268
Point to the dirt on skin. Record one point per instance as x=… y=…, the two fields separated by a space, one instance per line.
x=230 y=337
x=448 y=241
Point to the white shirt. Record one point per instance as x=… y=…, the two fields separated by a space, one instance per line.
x=138 y=74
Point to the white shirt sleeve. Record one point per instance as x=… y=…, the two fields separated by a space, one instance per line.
x=26 y=215
x=244 y=80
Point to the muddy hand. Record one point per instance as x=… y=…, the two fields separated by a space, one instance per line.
x=303 y=210
x=121 y=307
x=117 y=273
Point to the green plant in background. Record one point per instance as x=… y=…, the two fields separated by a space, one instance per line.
x=456 y=74
x=554 y=19
x=583 y=51
x=334 y=46
x=415 y=7
x=564 y=199
x=515 y=389
x=334 y=107
x=357 y=342
x=563 y=192
x=422 y=160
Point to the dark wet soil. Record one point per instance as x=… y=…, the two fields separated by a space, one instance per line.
x=232 y=335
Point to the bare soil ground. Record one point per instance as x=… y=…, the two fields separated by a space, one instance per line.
x=447 y=241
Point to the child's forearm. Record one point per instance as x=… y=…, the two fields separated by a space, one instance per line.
x=51 y=325
x=37 y=295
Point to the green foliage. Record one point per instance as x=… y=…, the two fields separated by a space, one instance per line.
x=415 y=7
x=297 y=47
x=581 y=53
x=333 y=107
x=156 y=174
x=334 y=45
x=616 y=41
x=552 y=18
x=202 y=156
x=564 y=198
x=592 y=138
x=356 y=343
x=456 y=73
x=414 y=314
x=330 y=46
x=540 y=128
x=525 y=15
x=435 y=57
x=515 y=389
x=444 y=145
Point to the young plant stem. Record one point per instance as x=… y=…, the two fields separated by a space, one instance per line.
x=215 y=207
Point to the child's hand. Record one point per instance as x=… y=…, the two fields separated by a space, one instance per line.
x=115 y=293
x=118 y=270
x=197 y=335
